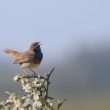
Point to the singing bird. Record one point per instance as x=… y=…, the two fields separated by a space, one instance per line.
x=27 y=59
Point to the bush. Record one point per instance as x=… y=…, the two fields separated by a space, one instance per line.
x=36 y=94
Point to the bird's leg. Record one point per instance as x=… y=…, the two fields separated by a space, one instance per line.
x=24 y=71
x=33 y=71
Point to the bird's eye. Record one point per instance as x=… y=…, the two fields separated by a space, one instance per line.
x=34 y=44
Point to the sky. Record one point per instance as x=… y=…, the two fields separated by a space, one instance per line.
x=55 y=23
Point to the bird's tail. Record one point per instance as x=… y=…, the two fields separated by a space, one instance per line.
x=8 y=51
x=11 y=52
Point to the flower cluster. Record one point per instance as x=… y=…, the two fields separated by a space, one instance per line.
x=36 y=94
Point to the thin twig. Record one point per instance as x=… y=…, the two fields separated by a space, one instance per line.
x=5 y=104
x=48 y=82
x=33 y=76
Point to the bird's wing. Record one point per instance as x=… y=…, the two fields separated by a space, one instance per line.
x=24 y=57
x=11 y=52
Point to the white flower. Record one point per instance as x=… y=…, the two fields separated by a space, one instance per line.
x=50 y=103
x=15 y=78
x=23 y=97
x=28 y=101
x=42 y=81
x=37 y=104
x=24 y=81
x=17 y=101
x=28 y=86
x=23 y=108
x=9 y=101
x=36 y=97
x=39 y=85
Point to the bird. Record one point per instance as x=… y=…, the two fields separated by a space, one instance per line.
x=30 y=58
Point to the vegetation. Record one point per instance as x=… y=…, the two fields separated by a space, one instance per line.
x=36 y=94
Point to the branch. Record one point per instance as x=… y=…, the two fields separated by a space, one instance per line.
x=39 y=76
x=37 y=96
x=48 y=82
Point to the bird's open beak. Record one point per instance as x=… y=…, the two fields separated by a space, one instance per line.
x=39 y=43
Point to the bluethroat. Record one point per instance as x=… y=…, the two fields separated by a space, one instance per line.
x=27 y=59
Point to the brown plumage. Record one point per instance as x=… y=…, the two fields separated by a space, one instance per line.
x=27 y=59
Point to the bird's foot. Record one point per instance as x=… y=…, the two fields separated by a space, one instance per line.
x=34 y=73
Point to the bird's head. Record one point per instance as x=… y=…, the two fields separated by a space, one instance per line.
x=35 y=46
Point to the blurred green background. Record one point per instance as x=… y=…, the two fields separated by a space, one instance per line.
x=76 y=40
